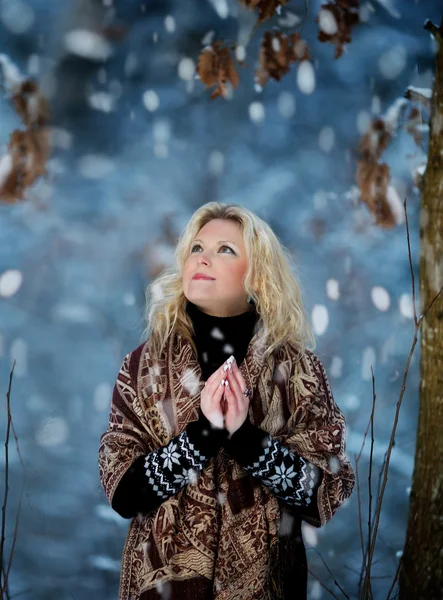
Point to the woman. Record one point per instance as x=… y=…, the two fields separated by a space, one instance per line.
x=223 y=432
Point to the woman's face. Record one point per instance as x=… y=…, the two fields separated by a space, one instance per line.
x=217 y=251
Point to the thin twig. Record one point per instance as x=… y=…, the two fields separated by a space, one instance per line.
x=5 y=499
x=305 y=566
x=15 y=535
x=4 y=588
x=371 y=457
x=330 y=573
x=362 y=543
x=400 y=562
x=322 y=584
x=252 y=32
x=371 y=420
x=430 y=306
x=306 y=16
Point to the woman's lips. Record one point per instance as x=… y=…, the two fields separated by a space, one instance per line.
x=203 y=279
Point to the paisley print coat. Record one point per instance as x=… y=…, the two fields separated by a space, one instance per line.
x=239 y=543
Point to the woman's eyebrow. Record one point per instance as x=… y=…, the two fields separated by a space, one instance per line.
x=219 y=242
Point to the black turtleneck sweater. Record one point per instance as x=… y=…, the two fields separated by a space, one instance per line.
x=216 y=338
x=153 y=478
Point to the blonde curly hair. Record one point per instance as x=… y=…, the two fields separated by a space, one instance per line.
x=270 y=281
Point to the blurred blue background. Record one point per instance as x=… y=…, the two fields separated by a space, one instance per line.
x=138 y=147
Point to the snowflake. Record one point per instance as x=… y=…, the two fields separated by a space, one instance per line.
x=170 y=456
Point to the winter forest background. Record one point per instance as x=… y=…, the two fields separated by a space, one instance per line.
x=138 y=145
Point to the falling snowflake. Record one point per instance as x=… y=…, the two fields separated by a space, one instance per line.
x=193 y=476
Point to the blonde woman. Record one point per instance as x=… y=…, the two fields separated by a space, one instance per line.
x=223 y=433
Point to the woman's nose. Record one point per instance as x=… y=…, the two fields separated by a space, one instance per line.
x=203 y=259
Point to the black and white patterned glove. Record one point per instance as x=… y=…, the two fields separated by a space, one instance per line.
x=289 y=476
x=153 y=478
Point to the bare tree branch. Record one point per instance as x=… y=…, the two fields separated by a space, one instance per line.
x=436 y=31
x=4 y=592
x=3 y=586
x=419 y=95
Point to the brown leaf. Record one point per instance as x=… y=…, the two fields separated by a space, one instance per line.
x=30 y=105
x=346 y=15
x=29 y=151
x=277 y=52
x=374 y=141
x=266 y=8
x=373 y=180
x=216 y=67
x=413 y=123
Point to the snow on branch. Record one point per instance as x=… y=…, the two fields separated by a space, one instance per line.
x=422 y=95
x=437 y=32
x=10 y=77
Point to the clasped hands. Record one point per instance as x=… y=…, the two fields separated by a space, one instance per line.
x=222 y=399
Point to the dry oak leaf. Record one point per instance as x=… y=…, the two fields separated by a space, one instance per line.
x=216 y=67
x=28 y=150
x=28 y=153
x=30 y=105
x=277 y=52
x=374 y=141
x=344 y=14
x=373 y=180
x=414 y=126
x=266 y=8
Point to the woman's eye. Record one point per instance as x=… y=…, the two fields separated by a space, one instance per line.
x=224 y=246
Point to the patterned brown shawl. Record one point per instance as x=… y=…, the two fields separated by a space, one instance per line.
x=225 y=525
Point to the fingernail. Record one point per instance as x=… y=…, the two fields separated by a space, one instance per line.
x=227 y=383
x=222 y=382
x=225 y=367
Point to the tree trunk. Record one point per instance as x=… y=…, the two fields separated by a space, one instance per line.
x=421 y=574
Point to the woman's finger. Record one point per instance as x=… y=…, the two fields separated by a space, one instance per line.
x=213 y=384
x=216 y=375
x=239 y=377
x=231 y=399
x=235 y=386
x=243 y=401
x=217 y=398
x=214 y=390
